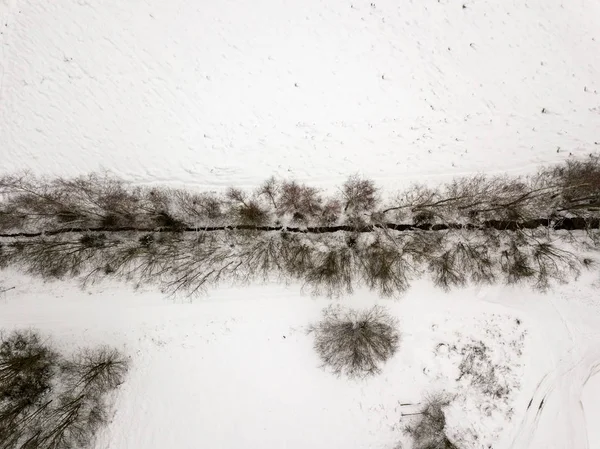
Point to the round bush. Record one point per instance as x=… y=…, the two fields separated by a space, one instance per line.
x=355 y=343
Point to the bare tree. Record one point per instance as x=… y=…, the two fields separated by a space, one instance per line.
x=50 y=402
x=299 y=200
x=246 y=210
x=385 y=269
x=355 y=343
x=360 y=195
x=331 y=272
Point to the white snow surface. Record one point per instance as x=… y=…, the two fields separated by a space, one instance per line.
x=230 y=92
x=236 y=368
x=591 y=404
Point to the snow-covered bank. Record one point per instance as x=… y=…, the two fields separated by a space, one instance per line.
x=237 y=369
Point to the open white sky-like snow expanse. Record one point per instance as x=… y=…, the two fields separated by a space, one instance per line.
x=210 y=94
x=231 y=92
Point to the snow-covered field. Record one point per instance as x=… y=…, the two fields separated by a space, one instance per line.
x=234 y=91
x=591 y=393
x=236 y=369
x=212 y=94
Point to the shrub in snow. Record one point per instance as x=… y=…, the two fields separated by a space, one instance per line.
x=384 y=268
x=428 y=430
x=48 y=401
x=465 y=260
x=481 y=372
x=355 y=343
x=301 y=201
x=331 y=212
x=246 y=211
x=360 y=195
x=331 y=271
x=579 y=180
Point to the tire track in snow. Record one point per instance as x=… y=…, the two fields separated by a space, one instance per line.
x=556 y=406
x=554 y=417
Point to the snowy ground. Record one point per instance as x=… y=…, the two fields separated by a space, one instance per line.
x=232 y=92
x=236 y=369
x=591 y=393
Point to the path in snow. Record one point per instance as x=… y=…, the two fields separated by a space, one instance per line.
x=556 y=404
x=554 y=417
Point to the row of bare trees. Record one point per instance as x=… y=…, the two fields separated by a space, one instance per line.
x=385 y=261
x=472 y=230
x=31 y=205
x=52 y=401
